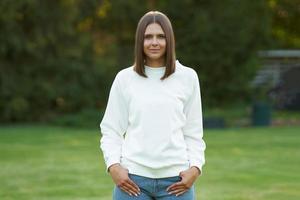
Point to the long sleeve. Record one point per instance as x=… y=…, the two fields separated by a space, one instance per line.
x=193 y=129
x=114 y=125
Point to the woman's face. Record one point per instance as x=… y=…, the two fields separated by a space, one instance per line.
x=154 y=43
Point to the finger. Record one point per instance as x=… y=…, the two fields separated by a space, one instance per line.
x=126 y=190
x=133 y=192
x=177 y=188
x=177 y=191
x=134 y=185
x=174 y=185
x=180 y=193
x=131 y=188
x=128 y=187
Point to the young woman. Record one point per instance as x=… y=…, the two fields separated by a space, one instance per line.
x=152 y=127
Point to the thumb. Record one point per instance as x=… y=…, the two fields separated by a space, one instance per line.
x=181 y=174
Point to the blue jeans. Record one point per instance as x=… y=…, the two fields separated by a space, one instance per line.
x=153 y=189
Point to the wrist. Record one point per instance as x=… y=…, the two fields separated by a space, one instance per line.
x=197 y=170
x=113 y=167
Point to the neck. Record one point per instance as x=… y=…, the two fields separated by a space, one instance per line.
x=155 y=63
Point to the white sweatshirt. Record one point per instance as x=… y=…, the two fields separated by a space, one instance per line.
x=153 y=127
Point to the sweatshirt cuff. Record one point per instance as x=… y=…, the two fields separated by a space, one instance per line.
x=198 y=165
x=110 y=162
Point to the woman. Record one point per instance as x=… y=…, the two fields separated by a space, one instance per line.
x=152 y=127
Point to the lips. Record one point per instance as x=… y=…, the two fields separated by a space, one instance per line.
x=154 y=50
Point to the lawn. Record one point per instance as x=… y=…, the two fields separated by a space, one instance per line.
x=55 y=163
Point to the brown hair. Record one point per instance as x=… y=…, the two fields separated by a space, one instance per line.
x=139 y=56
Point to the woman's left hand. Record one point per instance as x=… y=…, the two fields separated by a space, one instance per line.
x=188 y=177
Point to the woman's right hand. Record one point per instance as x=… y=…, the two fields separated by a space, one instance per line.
x=122 y=180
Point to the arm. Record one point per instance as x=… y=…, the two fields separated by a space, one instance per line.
x=114 y=125
x=193 y=133
x=193 y=129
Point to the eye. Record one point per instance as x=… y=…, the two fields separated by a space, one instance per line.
x=148 y=36
x=161 y=36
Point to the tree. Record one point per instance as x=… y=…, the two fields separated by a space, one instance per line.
x=285 y=17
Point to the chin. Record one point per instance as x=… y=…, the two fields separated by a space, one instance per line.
x=154 y=57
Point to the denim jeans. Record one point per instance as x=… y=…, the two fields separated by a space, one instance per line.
x=153 y=189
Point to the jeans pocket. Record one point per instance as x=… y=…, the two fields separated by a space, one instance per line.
x=174 y=179
x=137 y=178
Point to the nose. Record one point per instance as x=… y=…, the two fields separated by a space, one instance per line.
x=154 y=41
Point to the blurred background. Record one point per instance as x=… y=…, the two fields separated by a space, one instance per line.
x=58 y=59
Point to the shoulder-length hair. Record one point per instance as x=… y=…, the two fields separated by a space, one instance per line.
x=139 y=55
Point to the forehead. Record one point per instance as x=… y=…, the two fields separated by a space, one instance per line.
x=154 y=28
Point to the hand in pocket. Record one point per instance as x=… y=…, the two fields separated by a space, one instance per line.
x=188 y=177
x=122 y=180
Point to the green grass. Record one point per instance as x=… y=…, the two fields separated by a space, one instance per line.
x=53 y=163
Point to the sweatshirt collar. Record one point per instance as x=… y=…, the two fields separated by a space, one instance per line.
x=157 y=71
x=154 y=72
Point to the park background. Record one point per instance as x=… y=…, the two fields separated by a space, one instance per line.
x=57 y=63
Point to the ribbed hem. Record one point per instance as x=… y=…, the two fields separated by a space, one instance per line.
x=197 y=164
x=164 y=172
x=111 y=161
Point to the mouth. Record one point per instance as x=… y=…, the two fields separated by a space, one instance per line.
x=154 y=50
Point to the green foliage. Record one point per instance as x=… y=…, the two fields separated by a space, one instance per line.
x=60 y=57
x=47 y=60
x=220 y=40
x=217 y=38
x=285 y=17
